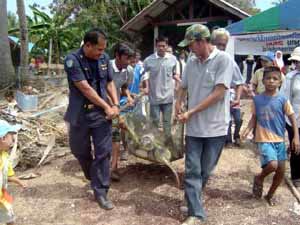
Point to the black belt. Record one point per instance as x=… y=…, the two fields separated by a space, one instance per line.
x=89 y=106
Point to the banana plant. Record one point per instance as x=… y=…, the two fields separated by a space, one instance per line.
x=57 y=29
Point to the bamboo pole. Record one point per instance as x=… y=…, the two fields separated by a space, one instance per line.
x=292 y=188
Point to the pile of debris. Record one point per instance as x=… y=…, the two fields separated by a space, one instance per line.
x=43 y=136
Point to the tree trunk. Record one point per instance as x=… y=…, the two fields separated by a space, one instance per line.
x=23 y=70
x=50 y=56
x=58 y=53
x=7 y=72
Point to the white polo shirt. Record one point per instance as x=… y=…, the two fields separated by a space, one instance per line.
x=200 y=80
x=160 y=72
x=121 y=77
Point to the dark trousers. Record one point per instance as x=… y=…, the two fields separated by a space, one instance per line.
x=95 y=166
x=202 y=155
x=166 y=110
x=236 y=115
x=295 y=159
x=249 y=68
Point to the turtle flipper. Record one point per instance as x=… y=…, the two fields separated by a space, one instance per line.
x=168 y=164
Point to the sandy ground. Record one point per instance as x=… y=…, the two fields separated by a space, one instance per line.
x=147 y=195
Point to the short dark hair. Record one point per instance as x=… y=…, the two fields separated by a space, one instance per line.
x=93 y=35
x=272 y=69
x=122 y=49
x=161 y=38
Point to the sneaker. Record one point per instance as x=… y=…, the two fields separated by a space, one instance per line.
x=183 y=209
x=115 y=176
x=124 y=155
x=104 y=203
x=192 y=220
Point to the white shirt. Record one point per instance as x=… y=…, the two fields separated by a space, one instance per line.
x=160 y=72
x=292 y=93
x=200 y=79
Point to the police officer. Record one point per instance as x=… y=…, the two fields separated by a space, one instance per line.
x=89 y=114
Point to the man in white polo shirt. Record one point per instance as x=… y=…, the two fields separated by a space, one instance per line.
x=206 y=78
x=122 y=76
x=160 y=69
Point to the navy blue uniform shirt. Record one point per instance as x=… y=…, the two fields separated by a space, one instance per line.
x=96 y=72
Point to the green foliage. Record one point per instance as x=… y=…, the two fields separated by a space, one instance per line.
x=12 y=20
x=245 y=5
x=110 y=15
x=43 y=27
x=70 y=19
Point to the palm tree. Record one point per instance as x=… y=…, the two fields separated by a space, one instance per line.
x=12 y=20
x=55 y=33
x=23 y=70
x=7 y=73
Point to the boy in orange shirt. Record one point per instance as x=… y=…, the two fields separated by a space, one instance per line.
x=6 y=172
x=268 y=116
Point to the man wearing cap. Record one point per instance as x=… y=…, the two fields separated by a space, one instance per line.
x=207 y=78
x=89 y=114
x=256 y=81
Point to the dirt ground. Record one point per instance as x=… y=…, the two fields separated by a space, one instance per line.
x=147 y=195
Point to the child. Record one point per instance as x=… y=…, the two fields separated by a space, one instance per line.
x=256 y=81
x=11 y=106
x=269 y=110
x=6 y=172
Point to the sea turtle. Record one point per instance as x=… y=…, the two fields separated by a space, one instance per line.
x=147 y=142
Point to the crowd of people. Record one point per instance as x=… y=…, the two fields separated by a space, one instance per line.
x=208 y=80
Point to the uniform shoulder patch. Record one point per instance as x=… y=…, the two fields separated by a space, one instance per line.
x=70 y=63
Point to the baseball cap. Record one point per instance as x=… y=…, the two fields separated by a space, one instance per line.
x=194 y=32
x=6 y=128
x=268 y=56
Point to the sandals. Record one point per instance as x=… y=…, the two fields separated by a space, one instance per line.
x=257 y=189
x=271 y=200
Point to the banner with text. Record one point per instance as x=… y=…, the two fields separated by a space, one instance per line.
x=256 y=44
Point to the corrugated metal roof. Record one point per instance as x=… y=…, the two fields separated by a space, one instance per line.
x=16 y=40
x=230 y=8
x=158 y=6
